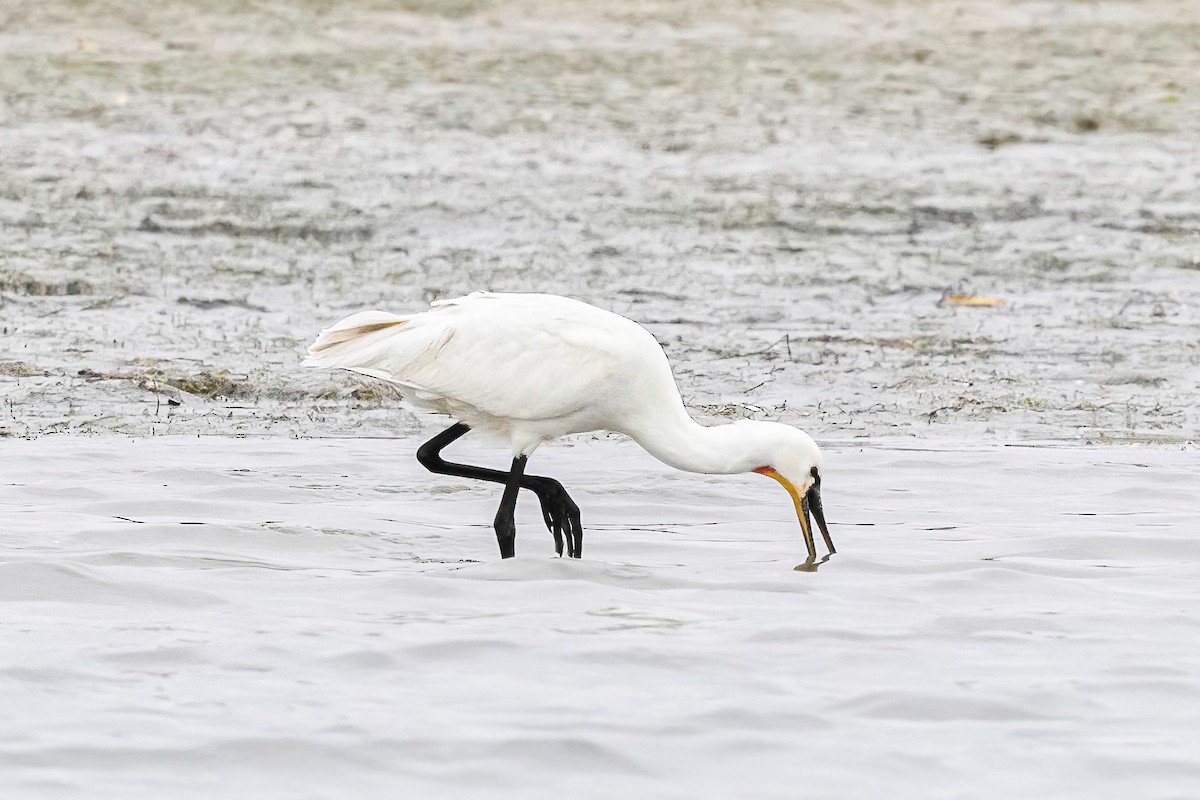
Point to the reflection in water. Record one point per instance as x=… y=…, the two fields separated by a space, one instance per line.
x=810 y=565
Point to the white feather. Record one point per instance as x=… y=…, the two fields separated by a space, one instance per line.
x=524 y=366
x=531 y=367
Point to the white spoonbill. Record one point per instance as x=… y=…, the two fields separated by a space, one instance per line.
x=532 y=367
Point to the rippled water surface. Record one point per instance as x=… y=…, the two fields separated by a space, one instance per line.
x=187 y=617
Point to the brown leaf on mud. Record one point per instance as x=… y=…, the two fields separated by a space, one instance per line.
x=972 y=300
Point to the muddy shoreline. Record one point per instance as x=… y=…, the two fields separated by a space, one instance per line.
x=782 y=197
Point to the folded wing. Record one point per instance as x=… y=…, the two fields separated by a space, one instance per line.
x=521 y=357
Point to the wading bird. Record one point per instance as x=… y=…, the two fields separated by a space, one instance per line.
x=532 y=367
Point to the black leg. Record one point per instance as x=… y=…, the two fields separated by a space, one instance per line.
x=558 y=509
x=506 y=524
x=430 y=453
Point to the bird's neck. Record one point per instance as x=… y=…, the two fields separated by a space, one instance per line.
x=674 y=438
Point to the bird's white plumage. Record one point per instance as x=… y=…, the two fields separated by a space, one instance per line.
x=531 y=367
x=527 y=367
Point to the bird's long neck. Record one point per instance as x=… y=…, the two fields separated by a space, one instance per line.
x=673 y=437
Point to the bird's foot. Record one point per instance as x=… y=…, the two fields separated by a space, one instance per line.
x=561 y=516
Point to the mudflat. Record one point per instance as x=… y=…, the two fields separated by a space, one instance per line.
x=782 y=195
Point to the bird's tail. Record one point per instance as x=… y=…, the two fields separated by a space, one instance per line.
x=344 y=344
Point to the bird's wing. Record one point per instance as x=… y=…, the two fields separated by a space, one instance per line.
x=523 y=356
x=509 y=356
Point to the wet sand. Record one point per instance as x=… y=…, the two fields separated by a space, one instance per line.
x=324 y=619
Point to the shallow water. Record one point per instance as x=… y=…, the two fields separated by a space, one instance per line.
x=321 y=618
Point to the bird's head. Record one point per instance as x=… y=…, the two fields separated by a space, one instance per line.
x=794 y=460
